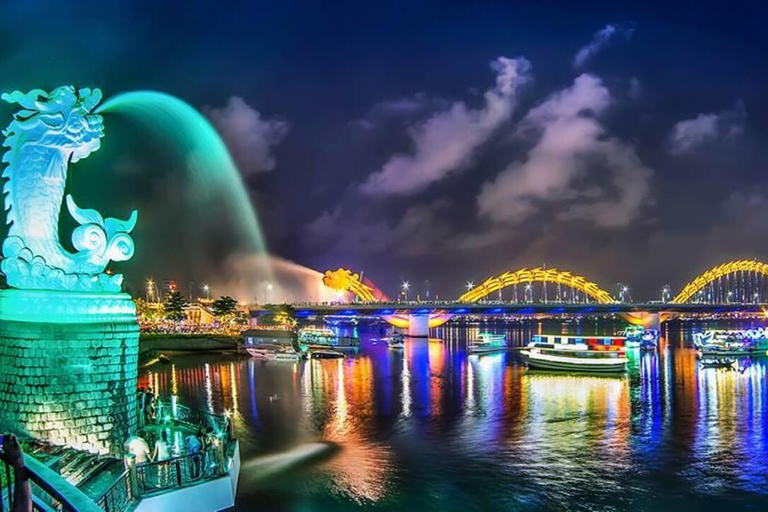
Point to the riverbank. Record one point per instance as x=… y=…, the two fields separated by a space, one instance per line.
x=152 y=345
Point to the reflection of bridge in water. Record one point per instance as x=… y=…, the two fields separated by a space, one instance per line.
x=736 y=286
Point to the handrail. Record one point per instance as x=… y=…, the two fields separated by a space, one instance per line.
x=56 y=489
x=180 y=470
x=119 y=496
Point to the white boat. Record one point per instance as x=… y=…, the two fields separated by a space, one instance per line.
x=487 y=342
x=731 y=343
x=284 y=355
x=325 y=354
x=581 y=354
x=261 y=351
x=396 y=342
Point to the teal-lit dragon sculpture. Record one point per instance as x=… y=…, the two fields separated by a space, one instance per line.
x=47 y=134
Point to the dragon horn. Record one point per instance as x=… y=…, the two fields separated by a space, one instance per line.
x=91 y=99
x=27 y=100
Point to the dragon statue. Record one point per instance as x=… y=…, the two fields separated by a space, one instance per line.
x=49 y=132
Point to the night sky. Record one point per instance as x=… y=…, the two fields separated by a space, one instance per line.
x=429 y=141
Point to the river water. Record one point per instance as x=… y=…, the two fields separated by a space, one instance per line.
x=430 y=428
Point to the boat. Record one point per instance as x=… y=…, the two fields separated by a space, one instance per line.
x=325 y=354
x=487 y=342
x=323 y=337
x=262 y=350
x=272 y=352
x=580 y=354
x=731 y=343
x=718 y=362
x=283 y=355
x=649 y=340
x=633 y=335
x=317 y=336
x=396 y=342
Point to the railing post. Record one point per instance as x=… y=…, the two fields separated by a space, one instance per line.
x=130 y=461
x=174 y=406
x=178 y=472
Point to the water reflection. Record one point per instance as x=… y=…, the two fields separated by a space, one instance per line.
x=430 y=428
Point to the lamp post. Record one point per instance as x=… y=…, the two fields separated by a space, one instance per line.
x=207 y=290
x=150 y=290
x=665 y=294
x=405 y=287
x=470 y=285
x=623 y=289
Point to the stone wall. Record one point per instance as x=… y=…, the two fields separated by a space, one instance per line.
x=74 y=382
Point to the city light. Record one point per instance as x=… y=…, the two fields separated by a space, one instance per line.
x=207 y=289
x=470 y=285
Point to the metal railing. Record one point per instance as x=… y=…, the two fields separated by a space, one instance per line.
x=180 y=471
x=119 y=497
x=197 y=418
x=49 y=490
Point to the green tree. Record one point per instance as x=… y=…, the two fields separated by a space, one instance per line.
x=173 y=307
x=224 y=307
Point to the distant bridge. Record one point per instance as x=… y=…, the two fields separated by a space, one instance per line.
x=736 y=286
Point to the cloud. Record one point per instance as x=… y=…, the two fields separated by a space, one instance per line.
x=574 y=170
x=445 y=142
x=249 y=138
x=691 y=133
x=599 y=41
x=418 y=104
x=420 y=231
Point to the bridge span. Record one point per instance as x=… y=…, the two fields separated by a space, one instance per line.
x=419 y=317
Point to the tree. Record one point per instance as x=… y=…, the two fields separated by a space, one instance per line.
x=224 y=307
x=173 y=307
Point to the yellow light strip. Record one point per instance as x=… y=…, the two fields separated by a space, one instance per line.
x=538 y=275
x=692 y=288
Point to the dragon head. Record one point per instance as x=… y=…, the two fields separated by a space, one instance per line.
x=341 y=279
x=60 y=120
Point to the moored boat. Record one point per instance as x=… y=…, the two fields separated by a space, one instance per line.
x=325 y=354
x=487 y=342
x=581 y=354
x=396 y=342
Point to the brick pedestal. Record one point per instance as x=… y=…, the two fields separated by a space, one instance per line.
x=68 y=367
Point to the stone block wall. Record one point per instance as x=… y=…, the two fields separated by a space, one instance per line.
x=70 y=384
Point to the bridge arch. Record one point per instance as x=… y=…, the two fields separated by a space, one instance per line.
x=715 y=273
x=538 y=275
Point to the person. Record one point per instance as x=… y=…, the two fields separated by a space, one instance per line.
x=137 y=446
x=142 y=403
x=149 y=406
x=12 y=455
x=162 y=452
x=193 y=446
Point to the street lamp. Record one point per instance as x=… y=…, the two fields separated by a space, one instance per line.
x=665 y=293
x=470 y=285
x=207 y=289
x=405 y=287
x=623 y=289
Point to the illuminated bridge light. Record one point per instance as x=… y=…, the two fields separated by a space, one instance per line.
x=460 y=311
x=422 y=311
x=303 y=313
x=713 y=278
x=386 y=312
x=527 y=276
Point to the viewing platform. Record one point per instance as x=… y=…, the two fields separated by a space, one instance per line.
x=67 y=479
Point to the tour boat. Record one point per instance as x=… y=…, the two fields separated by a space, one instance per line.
x=396 y=342
x=583 y=354
x=487 y=342
x=317 y=336
x=733 y=343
